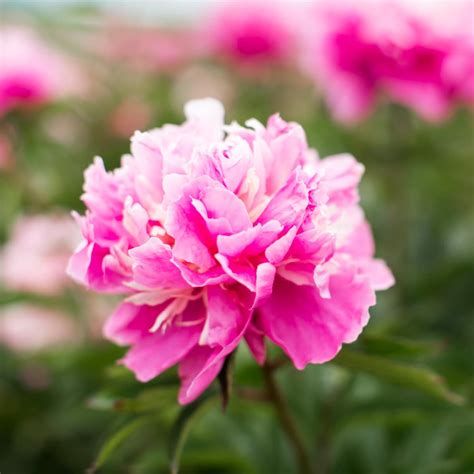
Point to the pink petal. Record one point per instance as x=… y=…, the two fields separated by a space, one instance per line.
x=226 y=317
x=277 y=251
x=158 y=351
x=130 y=323
x=197 y=371
x=381 y=278
x=310 y=328
x=254 y=336
x=152 y=266
x=289 y=204
x=342 y=175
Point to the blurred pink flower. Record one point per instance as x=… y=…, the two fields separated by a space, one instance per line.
x=130 y=115
x=358 y=51
x=31 y=72
x=217 y=234
x=251 y=33
x=150 y=49
x=35 y=258
x=29 y=328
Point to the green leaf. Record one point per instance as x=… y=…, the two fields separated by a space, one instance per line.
x=398 y=347
x=147 y=400
x=182 y=427
x=114 y=442
x=418 y=378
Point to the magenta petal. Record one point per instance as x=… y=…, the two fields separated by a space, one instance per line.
x=152 y=266
x=255 y=339
x=289 y=204
x=240 y=272
x=192 y=239
x=225 y=317
x=264 y=282
x=203 y=364
x=277 y=251
x=93 y=266
x=197 y=371
x=249 y=242
x=79 y=262
x=310 y=328
x=154 y=354
x=130 y=323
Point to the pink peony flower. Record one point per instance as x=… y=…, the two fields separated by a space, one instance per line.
x=31 y=73
x=149 y=49
x=358 y=52
x=36 y=255
x=28 y=328
x=218 y=234
x=251 y=33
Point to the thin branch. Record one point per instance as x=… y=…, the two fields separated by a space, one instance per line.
x=252 y=394
x=287 y=422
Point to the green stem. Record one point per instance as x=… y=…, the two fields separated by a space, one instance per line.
x=287 y=422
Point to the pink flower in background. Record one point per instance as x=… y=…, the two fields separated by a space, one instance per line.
x=31 y=73
x=130 y=115
x=218 y=234
x=358 y=52
x=251 y=33
x=150 y=48
x=35 y=257
x=29 y=328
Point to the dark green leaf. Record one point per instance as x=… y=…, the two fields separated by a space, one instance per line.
x=150 y=399
x=114 y=442
x=398 y=347
x=418 y=378
x=182 y=426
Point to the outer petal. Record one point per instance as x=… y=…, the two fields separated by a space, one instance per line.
x=129 y=323
x=96 y=268
x=155 y=353
x=310 y=328
x=197 y=371
x=287 y=142
x=381 y=278
x=342 y=175
x=256 y=342
x=203 y=364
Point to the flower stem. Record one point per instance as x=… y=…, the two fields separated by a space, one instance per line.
x=287 y=422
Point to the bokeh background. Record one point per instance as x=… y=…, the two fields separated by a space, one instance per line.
x=390 y=82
